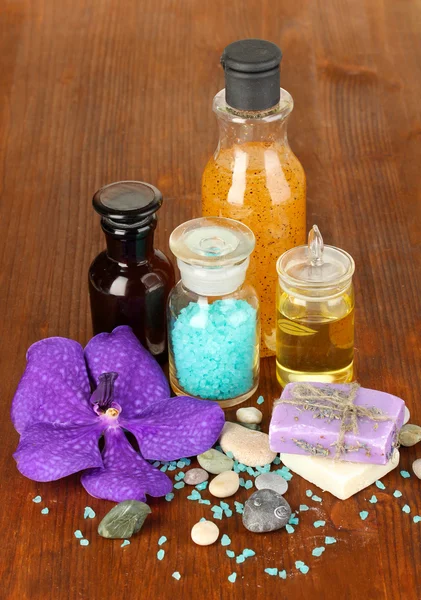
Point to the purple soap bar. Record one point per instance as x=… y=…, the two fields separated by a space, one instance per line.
x=294 y=430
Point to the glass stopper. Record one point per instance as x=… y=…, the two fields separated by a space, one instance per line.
x=315 y=247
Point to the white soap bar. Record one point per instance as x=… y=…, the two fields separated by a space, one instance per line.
x=340 y=478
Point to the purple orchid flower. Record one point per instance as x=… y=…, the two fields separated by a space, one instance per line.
x=61 y=422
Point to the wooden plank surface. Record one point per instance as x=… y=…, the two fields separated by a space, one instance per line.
x=94 y=92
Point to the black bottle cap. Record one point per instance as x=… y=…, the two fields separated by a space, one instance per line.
x=127 y=204
x=252 y=74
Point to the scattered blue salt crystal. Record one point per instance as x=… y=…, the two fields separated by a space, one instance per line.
x=204 y=501
x=318 y=551
x=285 y=473
x=250 y=471
x=318 y=524
x=203 y=519
x=373 y=499
x=89 y=513
x=230 y=553
x=37 y=499
x=171 y=467
x=397 y=493
x=293 y=520
x=156 y=464
x=316 y=498
x=225 y=540
x=242 y=482
x=242 y=467
x=229 y=454
x=224 y=505
x=217 y=515
x=228 y=512
x=363 y=515
x=78 y=534
x=176 y=575
x=260 y=400
x=330 y=540
x=236 y=467
x=248 y=484
x=405 y=474
x=84 y=542
x=240 y=559
x=276 y=460
x=380 y=485
x=247 y=553
x=214 y=348
x=162 y=540
x=303 y=507
x=164 y=468
x=232 y=577
x=416 y=519
x=180 y=476
x=239 y=507
x=270 y=571
x=181 y=464
x=202 y=486
x=289 y=528
x=169 y=497
x=45 y=511
x=125 y=543
x=283 y=574
x=216 y=509
x=406 y=509
x=309 y=493
x=160 y=554
x=301 y=566
x=179 y=485
x=194 y=495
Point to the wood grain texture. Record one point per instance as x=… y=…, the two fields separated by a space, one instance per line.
x=94 y=92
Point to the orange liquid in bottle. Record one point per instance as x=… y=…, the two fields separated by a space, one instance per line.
x=261 y=184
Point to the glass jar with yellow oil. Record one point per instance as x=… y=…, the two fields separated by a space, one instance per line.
x=315 y=313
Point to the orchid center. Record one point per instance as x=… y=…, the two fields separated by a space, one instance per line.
x=102 y=398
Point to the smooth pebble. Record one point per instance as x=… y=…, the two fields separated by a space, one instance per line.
x=407 y=415
x=416 y=467
x=215 y=462
x=196 y=476
x=247 y=446
x=266 y=510
x=250 y=415
x=271 y=481
x=224 y=484
x=204 y=533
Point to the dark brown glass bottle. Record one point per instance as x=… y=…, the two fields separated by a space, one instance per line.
x=130 y=281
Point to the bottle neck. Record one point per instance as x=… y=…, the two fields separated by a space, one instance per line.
x=130 y=247
x=238 y=127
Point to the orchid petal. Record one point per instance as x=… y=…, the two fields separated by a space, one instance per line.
x=54 y=387
x=125 y=474
x=48 y=452
x=140 y=382
x=177 y=427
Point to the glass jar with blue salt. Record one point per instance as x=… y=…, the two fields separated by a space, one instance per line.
x=213 y=313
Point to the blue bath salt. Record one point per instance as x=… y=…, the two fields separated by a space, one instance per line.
x=214 y=348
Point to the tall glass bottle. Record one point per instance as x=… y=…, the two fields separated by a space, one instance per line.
x=130 y=281
x=254 y=177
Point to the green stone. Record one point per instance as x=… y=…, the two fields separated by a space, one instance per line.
x=410 y=435
x=215 y=462
x=124 y=520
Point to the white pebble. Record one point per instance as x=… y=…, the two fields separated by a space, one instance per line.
x=249 y=414
x=225 y=484
x=271 y=481
x=416 y=467
x=204 y=533
x=247 y=446
x=407 y=415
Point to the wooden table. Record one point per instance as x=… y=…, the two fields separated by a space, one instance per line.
x=94 y=92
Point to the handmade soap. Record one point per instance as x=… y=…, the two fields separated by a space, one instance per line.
x=340 y=478
x=317 y=420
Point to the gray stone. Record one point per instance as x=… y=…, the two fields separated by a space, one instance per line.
x=195 y=476
x=266 y=510
x=124 y=520
x=271 y=481
x=410 y=435
x=215 y=462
